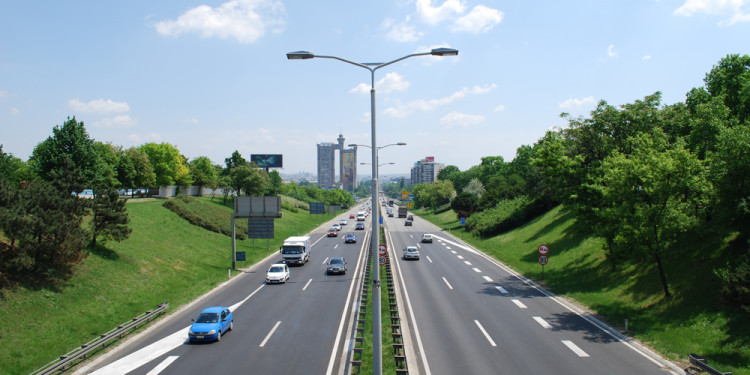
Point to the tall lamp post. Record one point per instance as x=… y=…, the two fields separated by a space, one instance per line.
x=377 y=366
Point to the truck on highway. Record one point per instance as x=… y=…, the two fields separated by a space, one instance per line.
x=401 y=211
x=296 y=250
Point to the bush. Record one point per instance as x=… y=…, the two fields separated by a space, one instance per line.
x=506 y=215
x=203 y=215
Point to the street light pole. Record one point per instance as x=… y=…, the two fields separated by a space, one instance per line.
x=377 y=334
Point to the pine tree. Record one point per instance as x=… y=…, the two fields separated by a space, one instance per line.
x=110 y=216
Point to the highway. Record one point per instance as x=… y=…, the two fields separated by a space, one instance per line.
x=468 y=314
x=301 y=327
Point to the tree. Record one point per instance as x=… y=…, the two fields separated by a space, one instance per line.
x=475 y=187
x=250 y=180
x=235 y=160
x=464 y=204
x=68 y=158
x=13 y=169
x=134 y=169
x=204 y=173
x=106 y=165
x=276 y=183
x=169 y=166
x=110 y=217
x=730 y=81
x=445 y=173
x=651 y=198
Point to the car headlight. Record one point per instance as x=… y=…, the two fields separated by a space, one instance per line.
x=211 y=332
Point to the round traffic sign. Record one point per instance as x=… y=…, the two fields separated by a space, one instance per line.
x=543 y=259
x=543 y=249
x=382 y=260
x=382 y=250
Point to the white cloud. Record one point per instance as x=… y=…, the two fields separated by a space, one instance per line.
x=4 y=94
x=117 y=122
x=436 y=14
x=244 y=20
x=15 y=111
x=611 y=51
x=403 y=110
x=192 y=120
x=391 y=82
x=481 y=19
x=499 y=108
x=463 y=120
x=98 y=106
x=402 y=32
x=646 y=57
x=734 y=9
x=575 y=102
x=138 y=139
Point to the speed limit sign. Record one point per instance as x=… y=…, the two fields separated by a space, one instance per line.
x=382 y=260
x=543 y=259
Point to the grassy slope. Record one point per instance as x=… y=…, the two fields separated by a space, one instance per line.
x=164 y=260
x=692 y=321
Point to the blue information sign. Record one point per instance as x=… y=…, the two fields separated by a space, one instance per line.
x=240 y=255
x=463 y=221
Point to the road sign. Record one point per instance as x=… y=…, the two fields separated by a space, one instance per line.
x=404 y=195
x=410 y=205
x=543 y=259
x=382 y=250
x=463 y=221
x=382 y=260
x=543 y=249
x=240 y=256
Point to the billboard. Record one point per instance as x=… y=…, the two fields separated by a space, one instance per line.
x=429 y=159
x=347 y=169
x=267 y=160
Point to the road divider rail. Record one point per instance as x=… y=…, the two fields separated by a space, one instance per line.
x=64 y=362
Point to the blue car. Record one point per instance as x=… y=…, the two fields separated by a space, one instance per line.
x=210 y=324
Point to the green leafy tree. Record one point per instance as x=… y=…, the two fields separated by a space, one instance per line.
x=475 y=187
x=68 y=158
x=169 y=165
x=464 y=204
x=652 y=197
x=235 y=160
x=204 y=173
x=13 y=169
x=134 y=169
x=107 y=162
x=110 y=217
x=730 y=81
x=250 y=180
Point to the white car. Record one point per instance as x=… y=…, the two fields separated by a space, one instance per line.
x=343 y=222
x=337 y=226
x=427 y=238
x=277 y=273
x=411 y=252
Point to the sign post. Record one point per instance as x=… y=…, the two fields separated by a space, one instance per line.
x=382 y=255
x=543 y=257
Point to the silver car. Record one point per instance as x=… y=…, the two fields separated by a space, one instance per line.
x=336 y=265
x=411 y=252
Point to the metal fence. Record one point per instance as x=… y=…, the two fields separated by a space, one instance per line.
x=65 y=362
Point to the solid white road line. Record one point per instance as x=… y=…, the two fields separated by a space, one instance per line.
x=308 y=283
x=501 y=289
x=519 y=303
x=164 y=364
x=542 y=322
x=575 y=348
x=477 y=270
x=485 y=333
x=262 y=344
x=447 y=283
x=487 y=278
x=149 y=353
x=428 y=258
x=325 y=260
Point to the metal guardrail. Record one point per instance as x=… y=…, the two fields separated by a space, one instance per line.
x=702 y=363
x=64 y=362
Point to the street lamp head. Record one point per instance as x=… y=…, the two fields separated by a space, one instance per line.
x=444 y=52
x=300 y=55
x=401 y=144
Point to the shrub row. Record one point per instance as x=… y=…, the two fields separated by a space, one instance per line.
x=203 y=215
x=505 y=216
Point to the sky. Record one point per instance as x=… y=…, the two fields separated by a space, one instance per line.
x=212 y=77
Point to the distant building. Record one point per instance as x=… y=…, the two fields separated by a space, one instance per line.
x=347 y=165
x=425 y=171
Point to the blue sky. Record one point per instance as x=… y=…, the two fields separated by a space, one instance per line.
x=211 y=77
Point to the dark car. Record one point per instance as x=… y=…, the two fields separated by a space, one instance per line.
x=210 y=324
x=333 y=233
x=336 y=265
x=360 y=226
x=350 y=238
x=407 y=223
x=410 y=217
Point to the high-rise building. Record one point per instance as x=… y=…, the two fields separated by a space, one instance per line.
x=425 y=170
x=347 y=165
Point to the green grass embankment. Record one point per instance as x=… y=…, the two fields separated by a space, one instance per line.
x=166 y=259
x=693 y=320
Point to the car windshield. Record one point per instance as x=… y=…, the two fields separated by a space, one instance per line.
x=276 y=269
x=207 y=318
x=291 y=250
x=337 y=261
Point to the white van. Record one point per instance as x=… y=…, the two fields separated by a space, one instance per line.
x=360 y=216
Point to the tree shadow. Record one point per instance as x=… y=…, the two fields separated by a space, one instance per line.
x=104 y=252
